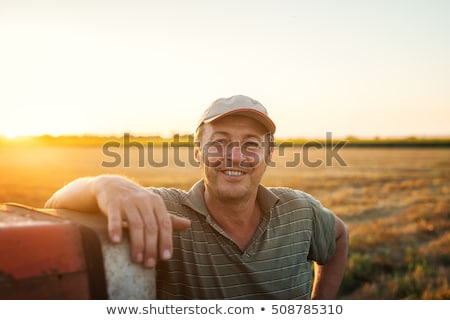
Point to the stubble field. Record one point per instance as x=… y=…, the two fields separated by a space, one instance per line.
x=396 y=202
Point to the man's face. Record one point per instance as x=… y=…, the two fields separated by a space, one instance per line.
x=233 y=152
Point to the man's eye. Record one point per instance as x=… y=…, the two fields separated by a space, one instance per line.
x=252 y=145
x=215 y=147
x=219 y=143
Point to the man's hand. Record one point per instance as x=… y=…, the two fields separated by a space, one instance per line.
x=150 y=225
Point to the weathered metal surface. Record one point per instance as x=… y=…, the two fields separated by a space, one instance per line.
x=47 y=232
x=40 y=259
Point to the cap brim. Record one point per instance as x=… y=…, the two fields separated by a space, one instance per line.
x=251 y=113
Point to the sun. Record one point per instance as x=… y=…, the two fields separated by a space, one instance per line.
x=10 y=136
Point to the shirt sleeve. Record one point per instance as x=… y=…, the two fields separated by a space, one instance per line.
x=323 y=238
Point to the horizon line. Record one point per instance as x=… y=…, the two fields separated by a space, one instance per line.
x=165 y=137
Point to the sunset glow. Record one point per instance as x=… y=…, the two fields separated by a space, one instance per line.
x=366 y=69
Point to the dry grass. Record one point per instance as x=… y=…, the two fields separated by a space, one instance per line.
x=395 y=201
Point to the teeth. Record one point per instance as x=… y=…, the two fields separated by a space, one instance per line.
x=233 y=173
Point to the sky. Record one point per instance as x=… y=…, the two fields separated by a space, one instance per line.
x=359 y=68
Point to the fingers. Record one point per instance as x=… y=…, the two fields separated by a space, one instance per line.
x=115 y=224
x=149 y=233
x=150 y=227
x=179 y=223
x=136 y=228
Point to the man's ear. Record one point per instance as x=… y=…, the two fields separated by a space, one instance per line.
x=269 y=148
x=269 y=151
x=197 y=154
x=268 y=155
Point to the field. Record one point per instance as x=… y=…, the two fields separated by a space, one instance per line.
x=396 y=201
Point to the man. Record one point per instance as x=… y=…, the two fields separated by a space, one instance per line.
x=233 y=237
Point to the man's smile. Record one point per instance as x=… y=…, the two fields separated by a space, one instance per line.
x=234 y=173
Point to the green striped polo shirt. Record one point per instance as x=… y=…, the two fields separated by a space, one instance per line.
x=295 y=230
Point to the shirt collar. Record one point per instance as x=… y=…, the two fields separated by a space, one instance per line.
x=194 y=198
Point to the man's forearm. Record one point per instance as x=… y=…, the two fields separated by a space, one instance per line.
x=78 y=195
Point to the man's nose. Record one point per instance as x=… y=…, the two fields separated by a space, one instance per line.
x=235 y=154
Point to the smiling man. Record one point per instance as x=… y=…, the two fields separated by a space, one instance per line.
x=229 y=237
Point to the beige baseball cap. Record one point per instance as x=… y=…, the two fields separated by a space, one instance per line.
x=238 y=104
